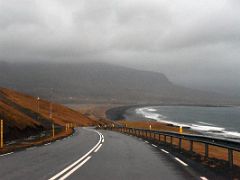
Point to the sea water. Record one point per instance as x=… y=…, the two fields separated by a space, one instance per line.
x=214 y=121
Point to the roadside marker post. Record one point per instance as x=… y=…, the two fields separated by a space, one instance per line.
x=53 y=130
x=150 y=127
x=1 y=134
x=67 y=126
x=180 y=129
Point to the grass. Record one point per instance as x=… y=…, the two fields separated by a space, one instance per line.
x=23 y=119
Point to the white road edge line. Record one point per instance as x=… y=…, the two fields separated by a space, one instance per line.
x=102 y=139
x=47 y=144
x=154 y=145
x=96 y=150
x=6 y=154
x=75 y=168
x=146 y=141
x=163 y=150
x=79 y=160
x=203 y=178
x=180 y=161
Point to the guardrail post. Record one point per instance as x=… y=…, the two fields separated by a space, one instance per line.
x=171 y=139
x=191 y=146
x=206 y=150
x=230 y=158
x=53 y=130
x=165 y=139
x=180 y=143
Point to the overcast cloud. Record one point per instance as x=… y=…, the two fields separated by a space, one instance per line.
x=196 y=43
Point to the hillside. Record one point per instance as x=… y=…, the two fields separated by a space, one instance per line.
x=21 y=117
x=101 y=83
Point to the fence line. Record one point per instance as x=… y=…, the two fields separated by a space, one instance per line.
x=155 y=135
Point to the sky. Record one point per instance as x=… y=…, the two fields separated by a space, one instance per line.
x=195 y=43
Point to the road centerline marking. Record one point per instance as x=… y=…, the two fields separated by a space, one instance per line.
x=75 y=168
x=96 y=150
x=76 y=163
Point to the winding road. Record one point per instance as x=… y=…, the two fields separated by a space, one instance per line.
x=95 y=154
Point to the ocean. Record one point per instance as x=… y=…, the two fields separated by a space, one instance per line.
x=212 y=121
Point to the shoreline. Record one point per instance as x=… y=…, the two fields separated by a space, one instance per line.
x=117 y=113
x=216 y=154
x=127 y=114
x=107 y=110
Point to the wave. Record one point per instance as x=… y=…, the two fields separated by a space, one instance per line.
x=205 y=123
x=200 y=126
x=207 y=128
x=148 y=113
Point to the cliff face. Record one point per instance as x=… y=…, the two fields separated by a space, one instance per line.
x=22 y=118
x=91 y=82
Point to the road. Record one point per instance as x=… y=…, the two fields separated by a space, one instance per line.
x=91 y=154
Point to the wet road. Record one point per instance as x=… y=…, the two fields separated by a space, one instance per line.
x=91 y=154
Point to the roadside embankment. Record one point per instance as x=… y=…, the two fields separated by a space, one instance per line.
x=29 y=121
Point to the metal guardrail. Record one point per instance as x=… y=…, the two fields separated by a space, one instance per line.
x=230 y=145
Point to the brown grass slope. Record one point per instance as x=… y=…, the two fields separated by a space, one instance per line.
x=21 y=118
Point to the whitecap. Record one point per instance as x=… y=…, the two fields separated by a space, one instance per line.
x=205 y=123
x=206 y=128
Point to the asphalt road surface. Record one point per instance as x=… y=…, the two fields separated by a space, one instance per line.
x=91 y=154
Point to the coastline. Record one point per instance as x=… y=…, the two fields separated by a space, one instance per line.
x=217 y=154
x=117 y=113
x=201 y=120
x=113 y=114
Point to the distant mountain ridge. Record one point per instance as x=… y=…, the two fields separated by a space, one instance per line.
x=96 y=82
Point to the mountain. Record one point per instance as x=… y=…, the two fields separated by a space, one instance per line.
x=101 y=83
x=22 y=118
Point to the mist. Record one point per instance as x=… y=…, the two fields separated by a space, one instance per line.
x=194 y=43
